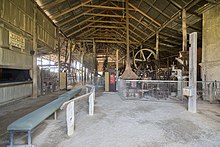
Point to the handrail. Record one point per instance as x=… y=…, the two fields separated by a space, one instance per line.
x=69 y=105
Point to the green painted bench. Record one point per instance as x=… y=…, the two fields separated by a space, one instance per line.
x=31 y=120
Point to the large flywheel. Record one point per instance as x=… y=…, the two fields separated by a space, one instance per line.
x=143 y=58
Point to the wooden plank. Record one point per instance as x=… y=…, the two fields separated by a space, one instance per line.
x=104 y=7
x=104 y=15
x=148 y=27
x=111 y=22
x=176 y=15
x=127 y=34
x=157 y=9
x=157 y=46
x=184 y=31
x=86 y=26
x=34 y=70
x=144 y=14
x=84 y=21
x=51 y=4
x=69 y=10
x=109 y=27
x=78 y=16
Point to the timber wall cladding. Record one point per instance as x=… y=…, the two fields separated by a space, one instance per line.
x=20 y=13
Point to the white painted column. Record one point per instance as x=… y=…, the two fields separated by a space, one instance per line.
x=70 y=118
x=192 y=72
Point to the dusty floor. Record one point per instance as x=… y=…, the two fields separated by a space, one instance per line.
x=119 y=123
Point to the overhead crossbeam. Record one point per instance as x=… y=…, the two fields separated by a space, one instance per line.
x=144 y=14
x=105 y=26
x=104 y=7
x=78 y=16
x=78 y=24
x=111 y=22
x=134 y=18
x=157 y=9
x=176 y=15
x=51 y=4
x=86 y=26
x=69 y=10
x=104 y=15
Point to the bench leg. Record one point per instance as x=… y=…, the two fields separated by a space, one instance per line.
x=29 y=137
x=55 y=115
x=11 y=138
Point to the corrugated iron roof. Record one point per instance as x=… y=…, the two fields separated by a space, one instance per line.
x=105 y=20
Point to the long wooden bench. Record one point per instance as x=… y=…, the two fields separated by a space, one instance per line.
x=31 y=120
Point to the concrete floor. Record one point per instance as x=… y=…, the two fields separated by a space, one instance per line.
x=119 y=123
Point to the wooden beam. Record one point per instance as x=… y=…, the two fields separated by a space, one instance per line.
x=34 y=58
x=103 y=37
x=69 y=10
x=132 y=32
x=144 y=14
x=157 y=46
x=70 y=28
x=111 y=41
x=86 y=26
x=78 y=16
x=101 y=21
x=104 y=15
x=104 y=7
x=154 y=7
x=127 y=35
x=136 y=34
x=175 y=4
x=51 y=4
x=170 y=35
x=184 y=30
x=176 y=15
x=163 y=39
x=148 y=27
x=85 y=32
x=138 y=29
x=109 y=27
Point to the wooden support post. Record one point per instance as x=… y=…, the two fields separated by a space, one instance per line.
x=59 y=47
x=184 y=36
x=157 y=46
x=94 y=53
x=81 y=61
x=117 y=69
x=34 y=69
x=157 y=53
x=184 y=31
x=127 y=34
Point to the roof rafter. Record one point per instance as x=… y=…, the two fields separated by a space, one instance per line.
x=51 y=4
x=86 y=26
x=78 y=16
x=82 y=22
x=134 y=18
x=187 y=7
x=104 y=15
x=144 y=14
x=104 y=7
x=69 y=10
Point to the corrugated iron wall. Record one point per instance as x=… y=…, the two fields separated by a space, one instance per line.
x=20 y=13
x=15 y=91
